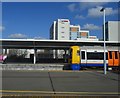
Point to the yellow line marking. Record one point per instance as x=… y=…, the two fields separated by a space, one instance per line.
x=50 y=92
x=89 y=92
x=20 y=91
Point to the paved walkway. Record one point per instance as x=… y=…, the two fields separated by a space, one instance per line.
x=59 y=82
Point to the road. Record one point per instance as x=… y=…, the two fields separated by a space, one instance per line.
x=59 y=82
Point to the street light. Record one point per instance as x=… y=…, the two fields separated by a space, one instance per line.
x=103 y=10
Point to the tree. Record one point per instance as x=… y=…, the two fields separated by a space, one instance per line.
x=18 y=52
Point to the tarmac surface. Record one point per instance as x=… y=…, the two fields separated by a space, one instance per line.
x=59 y=82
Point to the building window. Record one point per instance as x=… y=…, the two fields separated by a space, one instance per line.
x=63 y=36
x=62 y=32
x=62 y=23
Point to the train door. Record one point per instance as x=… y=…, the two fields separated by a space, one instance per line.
x=116 y=58
x=119 y=58
x=110 y=58
x=83 y=58
x=113 y=58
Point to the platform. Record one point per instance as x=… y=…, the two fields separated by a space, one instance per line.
x=59 y=82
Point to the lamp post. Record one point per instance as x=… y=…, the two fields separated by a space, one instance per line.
x=103 y=10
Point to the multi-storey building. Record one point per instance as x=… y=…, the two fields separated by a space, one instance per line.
x=112 y=30
x=60 y=30
x=84 y=36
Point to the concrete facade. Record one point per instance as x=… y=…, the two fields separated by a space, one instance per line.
x=74 y=32
x=111 y=30
x=53 y=31
x=60 y=30
x=84 y=34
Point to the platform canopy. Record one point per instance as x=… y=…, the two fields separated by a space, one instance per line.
x=54 y=44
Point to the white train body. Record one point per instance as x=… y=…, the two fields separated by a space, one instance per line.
x=94 y=56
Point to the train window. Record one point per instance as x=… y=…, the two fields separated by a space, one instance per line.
x=83 y=54
x=95 y=55
x=106 y=56
x=110 y=54
x=116 y=56
x=78 y=52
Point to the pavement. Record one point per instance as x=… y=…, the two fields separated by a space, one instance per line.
x=42 y=66
x=59 y=82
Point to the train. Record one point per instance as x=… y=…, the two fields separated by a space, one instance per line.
x=93 y=57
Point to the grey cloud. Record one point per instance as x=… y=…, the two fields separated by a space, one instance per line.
x=91 y=27
x=72 y=7
x=95 y=12
x=2 y=28
x=17 y=35
x=79 y=17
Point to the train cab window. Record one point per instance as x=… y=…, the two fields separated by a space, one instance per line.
x=110 y=54
x=83 y=54
x=116 y=56
x=78 y=52
x=70 y=53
